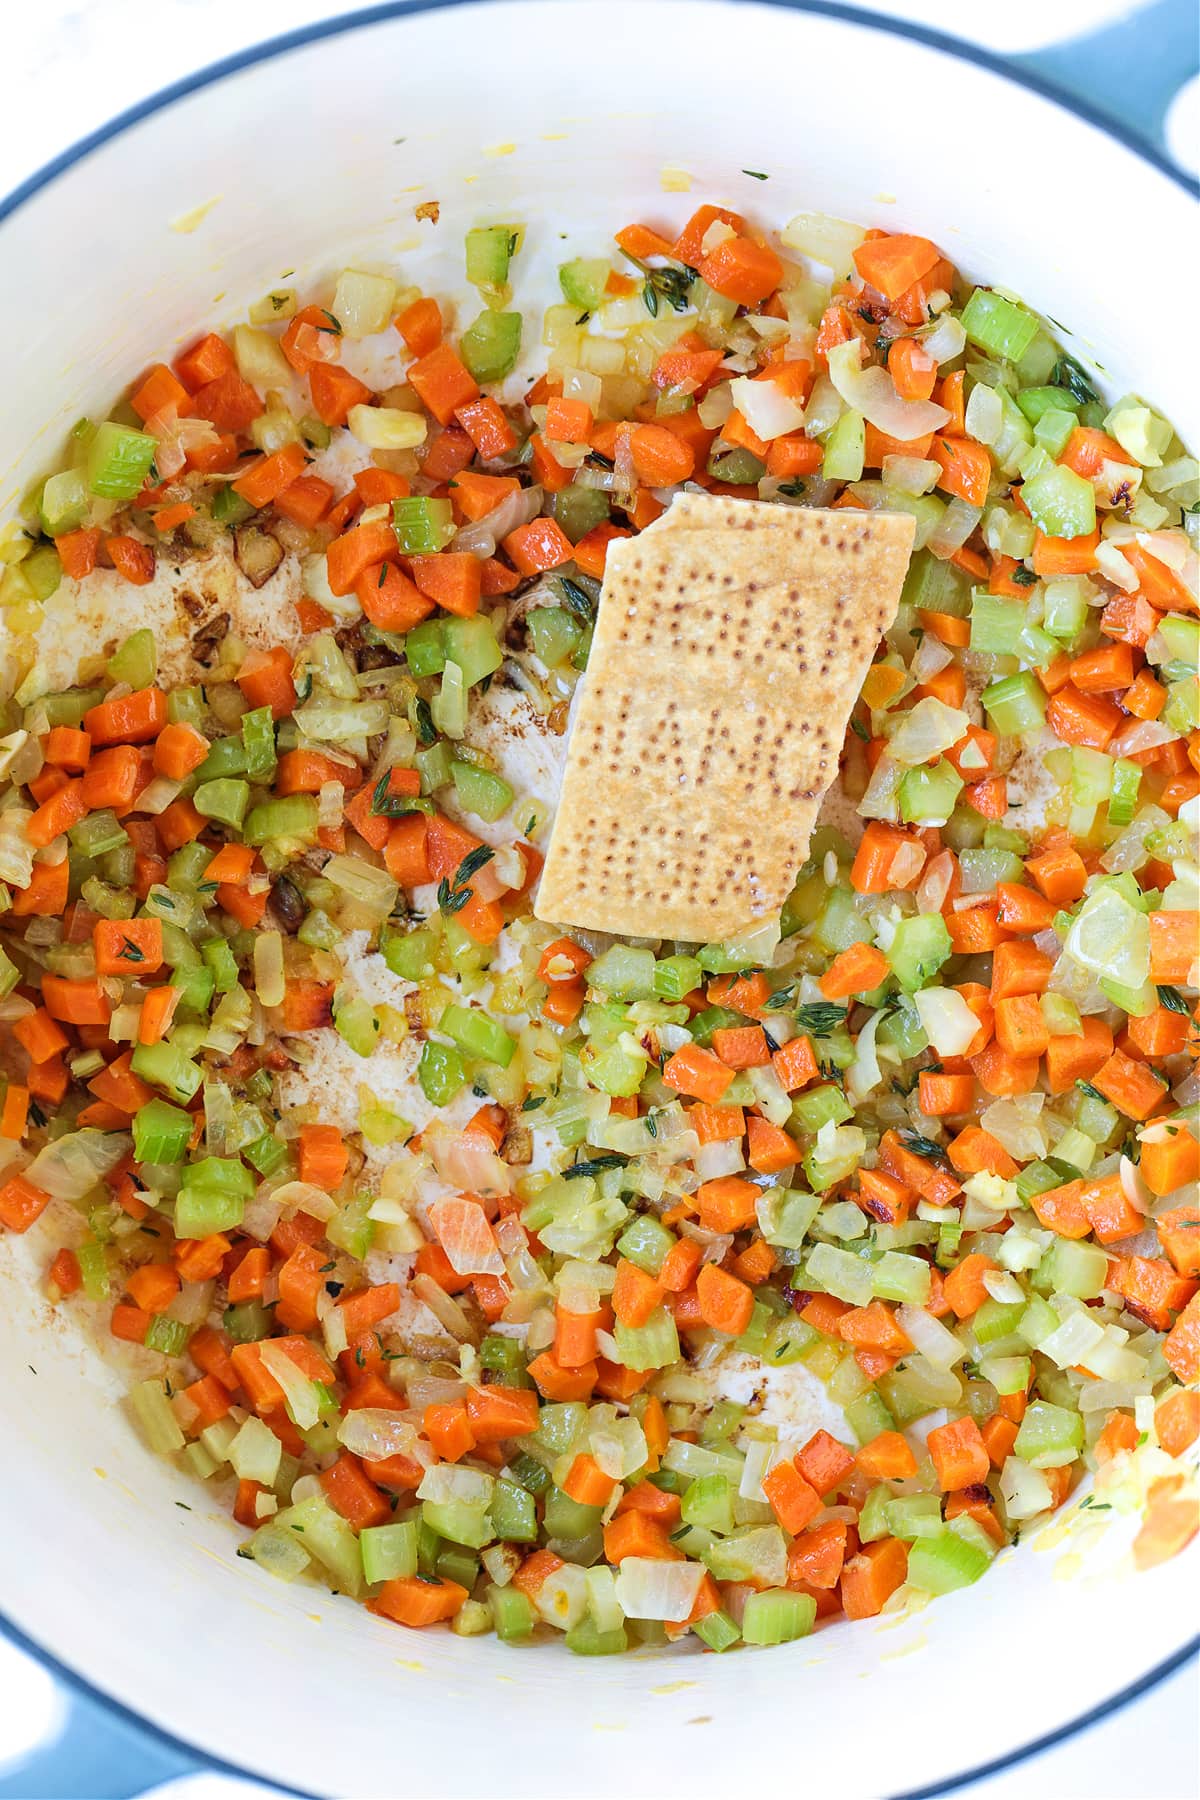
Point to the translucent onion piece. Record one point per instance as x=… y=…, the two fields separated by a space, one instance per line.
x=464 y=1233
x=481 y=538
x=872 y=392
x=652 y=1588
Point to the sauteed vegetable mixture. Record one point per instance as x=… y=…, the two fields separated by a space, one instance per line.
x=691 y=1289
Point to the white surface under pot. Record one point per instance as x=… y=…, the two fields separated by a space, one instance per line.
x=565 y=119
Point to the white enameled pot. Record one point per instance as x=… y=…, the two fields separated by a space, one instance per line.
x=563 y=114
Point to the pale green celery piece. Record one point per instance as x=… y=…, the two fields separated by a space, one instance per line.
x=845 y=449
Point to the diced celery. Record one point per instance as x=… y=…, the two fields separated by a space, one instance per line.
x=996 y=624
x=1016 y=704
x=919 y=948
x=1049 y=1436
x=64 y=502
x=1053 y=429
x=195 y=986
x=472 y=644
x=654 y=1345
x=1061 y=503
x=168 y=1336
x=514 y=1515
x=940 y=1564
x=491 y=344
x=290 y=819
x=135 y=660
x=225 y=801
x=583 y=282
x=785 y=1214
x=478 y=1035
x=153 y=1412
x=161 y=1132
x=423 y=524
x=1126 y=780
x=388 y=1550
x=845 y=449
x=481 y=792
x=567 y=1518
x=586 y=1639
x=708 y=1503
x=425 y=648
x=489 y=250
x=899 y=1277
x=448 y=708
x=998 y=326
x=1035 y=402
x=718 y=1631
x=258 y=739
x=868 y=1416
x=118 y=461
x=220 y=959
x=1066 y=610
x=441 y=1073
x=327 y=1537
x=247 y=1323
x=927 y=795
x=624 y=972
x=578 y=510
x=409 y=954
x=645 y=1242
x=512 y=1613
x=819 y=1105
x=1073 y=1267
x=777 y=1616
x=676 y=976
x=740 y=467
x=912 y=1516
x=166 y=1066
x=226 y=756
x=554 y=633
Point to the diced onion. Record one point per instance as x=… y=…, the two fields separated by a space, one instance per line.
x=766 y=408
x=653 y=1588
x=872 y=392
x=946 y=1020
x=72 y=1165
x=481 y=538
x=464 y=1233
x=928 y=1335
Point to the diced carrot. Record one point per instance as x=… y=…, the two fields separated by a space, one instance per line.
x=1019 y=969
x=488 y=429
x=964 y=1285
x=726 y=1304
x=793 y=1501
x=538 y=546
x=45 y=893
x=1153 y=1290
x=420 y=325
x=635 y=1294
x=451 y=580
x=1177 y=1420
x=960 y=1456
x=1181 y=1347
x=892 y=264
x=695 y=1071
x=498 y=1413
x=857 y=970
x=1072 y=1059
x=323 y=1156
x=770 y=1149
x=1133 y=1089
x=966 y=468
x=1174 y=945
x=265 y=678
x=872 y=1577
x=443 y=382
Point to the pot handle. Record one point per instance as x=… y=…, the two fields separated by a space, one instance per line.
x=1130 y=70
